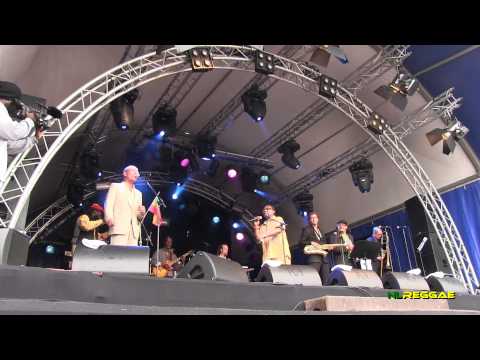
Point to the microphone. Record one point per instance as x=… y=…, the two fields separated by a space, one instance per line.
x=422 y=244
x=256 y=218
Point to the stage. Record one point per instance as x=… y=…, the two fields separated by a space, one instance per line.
x=28 y=290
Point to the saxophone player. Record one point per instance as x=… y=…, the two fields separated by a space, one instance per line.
x=312 y=234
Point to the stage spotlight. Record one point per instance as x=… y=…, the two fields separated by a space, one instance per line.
x=75 y=192
x=201 y=59
x=216 y=220
x=235 y=225
x=254 y=103
x=122 y=109
x=450 y=135
x=362 y=174
x=327 y=86
x=264 y=63
x=206 y=147
x=304 y=203
x=288 y=150
x=248 y=179
x=175 y=196
x=239 y=236
x=398 y=90
x=50 y=249
x=164 y=121
x=185 y=162
x=321 y=55
x=213 y=168
x=376 y=124
x=264 y=178
x=231 y=172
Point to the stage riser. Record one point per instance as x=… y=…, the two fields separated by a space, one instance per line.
x=36 y=283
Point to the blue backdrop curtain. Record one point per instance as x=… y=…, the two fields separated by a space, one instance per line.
x=464 y=206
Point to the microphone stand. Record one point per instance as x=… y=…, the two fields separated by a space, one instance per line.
x=162 y=204
x=419 y=249
x=406 y=246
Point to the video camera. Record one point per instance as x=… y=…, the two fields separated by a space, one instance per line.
x=46 y=115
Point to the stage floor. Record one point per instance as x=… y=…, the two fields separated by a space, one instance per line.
x=28 y=290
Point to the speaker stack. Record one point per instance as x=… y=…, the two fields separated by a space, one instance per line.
x=404 y=281
x=355 y=278
x=289 y=275
x=112 y=259
x=205 y=266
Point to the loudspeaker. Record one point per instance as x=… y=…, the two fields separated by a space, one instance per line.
x=13 y=247
x=207 y=266
x=404 y=281
x=113 y=259
x=356 y=278
x=289 y=275
x=446 y=284
x=433 y=256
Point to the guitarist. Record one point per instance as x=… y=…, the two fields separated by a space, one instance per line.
x=166 y=257
x=312 y=234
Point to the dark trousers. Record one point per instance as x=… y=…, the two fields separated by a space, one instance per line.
x=323 y=270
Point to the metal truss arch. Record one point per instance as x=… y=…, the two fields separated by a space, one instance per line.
x=99 y=92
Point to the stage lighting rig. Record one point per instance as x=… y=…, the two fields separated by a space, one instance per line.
x=362 y=174
x=264 y=178
x=376 y=124
x=304 y=203
x=321 y=55
x=288 y=150
x=254 y=102
x=122 y=109
x=164 y=121
x=450 y=135
x=205 y=146
x=264 y=63
x=201 y=59
x=213 y=168
x=327 y=86
x=398 y=90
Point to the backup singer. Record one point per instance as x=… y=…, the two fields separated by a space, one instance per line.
x=342 y=236
x=124 y=209
x=89 y=226
x=273 y=237
x=310 y=234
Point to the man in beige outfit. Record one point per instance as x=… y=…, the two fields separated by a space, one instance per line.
x=124 y=209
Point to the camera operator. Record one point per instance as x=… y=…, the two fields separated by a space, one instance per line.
x=15 y=136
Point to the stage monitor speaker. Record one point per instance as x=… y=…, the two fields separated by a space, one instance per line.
x=13 y=247
x=404 y=281
x=205 y=266
x=355 y=278
x=112 y=259
x=446 y=284
x=433 y=256
x=289 y=275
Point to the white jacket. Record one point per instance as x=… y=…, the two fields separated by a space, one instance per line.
x=15 y=137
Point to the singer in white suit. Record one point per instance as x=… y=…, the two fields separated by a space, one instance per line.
x=124 y=209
